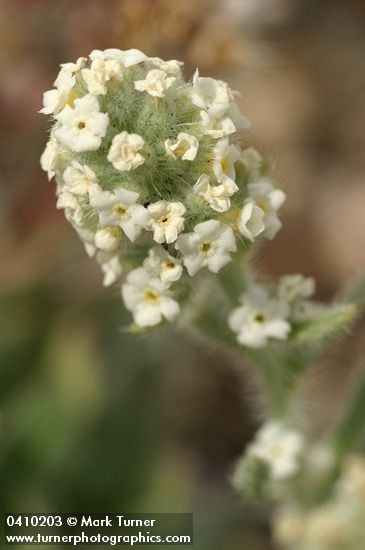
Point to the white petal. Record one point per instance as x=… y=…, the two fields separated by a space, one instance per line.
x=131 y=229
x=193 y=264
x=217 y=261
x=169 y=308
x=147 y=316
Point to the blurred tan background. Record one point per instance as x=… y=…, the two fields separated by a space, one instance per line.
x=90 y=417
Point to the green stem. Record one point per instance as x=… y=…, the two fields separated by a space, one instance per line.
x=233 y=278
x=273 y=364
x=277 y=373
x=352 y=425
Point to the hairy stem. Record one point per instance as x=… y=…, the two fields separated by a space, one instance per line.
x=352 y=424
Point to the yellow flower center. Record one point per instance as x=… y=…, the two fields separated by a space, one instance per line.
x=164 y=220
x=86 y=181
x=120 y=210
x=277 y=450
x=205 y=247
x=224 y=165
x=180 y=151
x=71 y=96
x=151 y=296
x=263 y=205
x=260 y=318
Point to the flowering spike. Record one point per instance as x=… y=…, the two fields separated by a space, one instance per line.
x=144 y=158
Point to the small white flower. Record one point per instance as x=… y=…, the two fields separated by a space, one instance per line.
x=186 y=147
x=124 y=151
x=55 y=100
x=208 y=246
x=49 y=157
x=63 y=94
x=148 y=299
x=171 y=67
x=156 y=83
x=217 y=196
x=108 y=238
x=252 y=160
x=225 y=156
x=111 y=266
x=75 y=207
x=269 y=200
x=120 y=208
x=280 y=448
x=74 y=67
x=127 y=58
x=161 y=263
x=217 y=127
x=211 y=95
x=83 y=127
x=100 y=73
x=259 y=318
x=80 y=179
x=251 y=221
x=292 y=287
x=167 y=220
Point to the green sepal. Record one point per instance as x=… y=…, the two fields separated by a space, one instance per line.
x=337 y=318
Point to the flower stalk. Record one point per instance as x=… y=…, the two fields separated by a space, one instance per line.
x=151 y=173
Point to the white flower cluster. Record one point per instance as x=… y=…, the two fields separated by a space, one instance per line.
x=270 y=462
x=151 y=175
x=336 y=524
x=268 y=313
x=279 y=448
